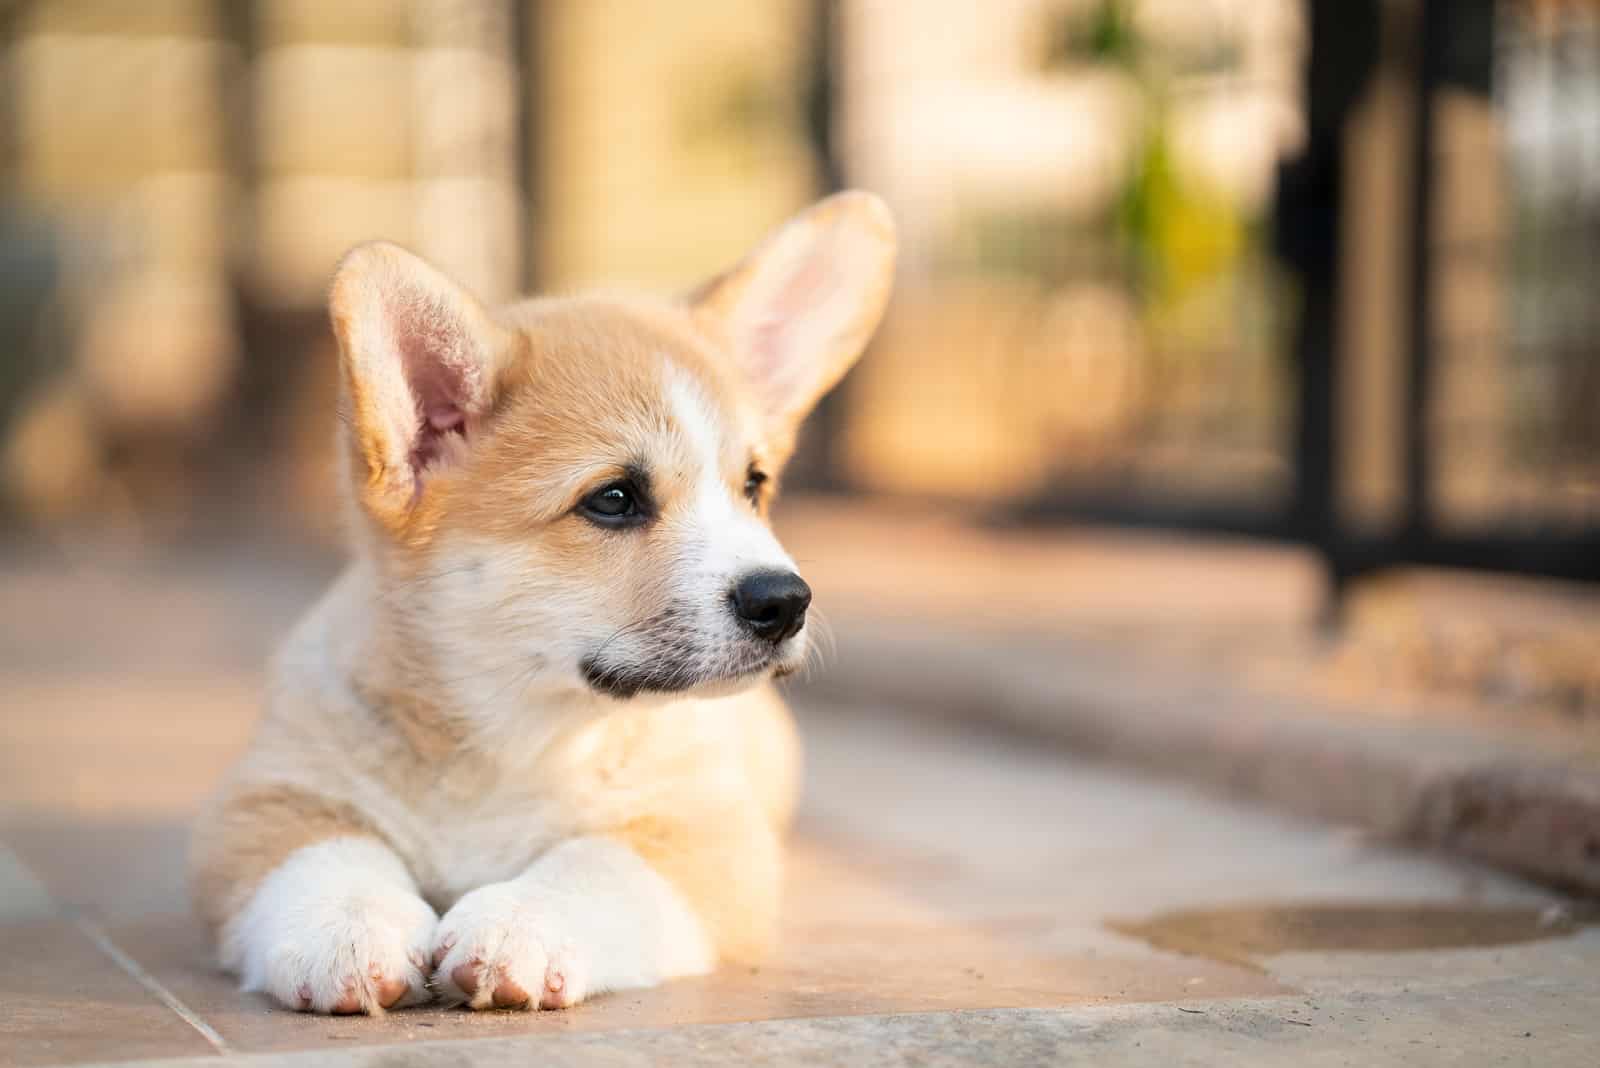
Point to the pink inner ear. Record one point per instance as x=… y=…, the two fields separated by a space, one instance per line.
x=440 y=375
x=438 y=423
x=780 y=352
x=446 y=418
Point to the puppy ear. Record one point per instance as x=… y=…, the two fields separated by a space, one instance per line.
x=419 y=360
x=797 y=312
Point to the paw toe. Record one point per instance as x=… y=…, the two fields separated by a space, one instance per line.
x=348 y=1004
x=465 y=976
x=564 y=982
x=508 y=995
x=555 y=994
x=390 y=991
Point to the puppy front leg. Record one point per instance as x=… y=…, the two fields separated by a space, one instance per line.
x=337 y=926
x=589 y=916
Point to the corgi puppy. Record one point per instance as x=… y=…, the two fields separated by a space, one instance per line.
x=526 y=749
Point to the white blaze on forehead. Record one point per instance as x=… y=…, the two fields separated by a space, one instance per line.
x=734 y=538
x=697 y=421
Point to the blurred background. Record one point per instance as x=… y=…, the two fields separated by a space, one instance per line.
x=1319 y=272
x=1236 y=417
x=1241 y=328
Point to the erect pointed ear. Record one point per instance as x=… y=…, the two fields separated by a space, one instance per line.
x=797 y=312
x=419 y=363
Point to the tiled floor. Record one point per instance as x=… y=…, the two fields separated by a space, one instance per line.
x=111 y=966
x=933 y=871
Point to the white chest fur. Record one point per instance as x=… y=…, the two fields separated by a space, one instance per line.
x=492 y=840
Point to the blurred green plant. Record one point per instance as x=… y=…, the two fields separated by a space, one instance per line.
x=1170 y=233
x=1189 y=253
x=1104 y=34
x=1177 y=233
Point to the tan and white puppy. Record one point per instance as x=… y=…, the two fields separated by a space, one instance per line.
x=526 y=749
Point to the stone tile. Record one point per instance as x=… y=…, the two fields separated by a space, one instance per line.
x=870 y=927
x=119 y=748
x=1422 y=1028
x=876 y=923
x=65 y=1002
x=981 y=827
x=111 y=869
x=851 y=946
x=888 y=970
x=22 y=895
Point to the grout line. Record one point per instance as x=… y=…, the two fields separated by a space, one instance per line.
x=152 y=984
x=25 y=896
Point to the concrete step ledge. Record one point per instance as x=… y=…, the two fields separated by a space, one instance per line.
x=1479 y=793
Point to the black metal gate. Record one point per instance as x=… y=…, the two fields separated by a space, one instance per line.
x=1464 y=46
x=1545 y=518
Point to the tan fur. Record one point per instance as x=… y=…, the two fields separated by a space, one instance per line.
x=728 y=859
x=724 y=860
x=851 y=233
x=394 y=716
x=251 y=833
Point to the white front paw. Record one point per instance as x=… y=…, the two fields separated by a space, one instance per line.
x=502 y=948
x=319 y=938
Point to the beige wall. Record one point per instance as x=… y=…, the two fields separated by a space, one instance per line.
x=649 y=173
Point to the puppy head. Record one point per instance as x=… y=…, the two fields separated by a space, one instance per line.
x=572 y=494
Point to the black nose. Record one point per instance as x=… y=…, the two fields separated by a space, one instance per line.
x=772 y=604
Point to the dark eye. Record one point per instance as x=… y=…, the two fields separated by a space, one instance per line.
x=753 y=481
x=612 y=504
